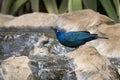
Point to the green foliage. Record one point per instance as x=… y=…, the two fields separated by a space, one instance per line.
x=64 y=6
x=117 y=8
x=90 y=4
x=51 y=6
x=35 y=5
x=5 y=6
x=74 y=5
x=17 y=5
x=110 y=8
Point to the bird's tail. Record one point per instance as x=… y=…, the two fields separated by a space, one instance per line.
x=99 y=37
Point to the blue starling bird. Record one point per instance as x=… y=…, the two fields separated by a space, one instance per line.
x=74 y=39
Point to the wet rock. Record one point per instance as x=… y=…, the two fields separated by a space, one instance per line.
x=16 y=68
x=90 y=65
x=82 y=20
x=33 y=20
x=4 y=19
x=51 y=67
x=39 y=49
x=17 y=44
x=1 y=78
x=84 y=63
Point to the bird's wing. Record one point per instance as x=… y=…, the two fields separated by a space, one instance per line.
x=75 y=36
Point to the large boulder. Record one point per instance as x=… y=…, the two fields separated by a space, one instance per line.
x=111 y=46
x=16 y=68
x=33 y=20
x=90 y=65
x=82 y=20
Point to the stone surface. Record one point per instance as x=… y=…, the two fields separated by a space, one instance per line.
x=75 y=21
x=79 y=20
x=49 y=67
x=16 y=68
x=82 y=20
x=33 y=20
x=1 y=77
x=39 y=49
x=4 y=19
x=90 y=65
x=110 y=47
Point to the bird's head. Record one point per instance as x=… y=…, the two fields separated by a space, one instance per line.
x=57 y=30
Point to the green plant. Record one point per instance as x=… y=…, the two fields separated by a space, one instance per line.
x=111 y=7
x=110 y=10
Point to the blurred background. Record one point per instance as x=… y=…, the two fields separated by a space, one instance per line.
x=110 y=8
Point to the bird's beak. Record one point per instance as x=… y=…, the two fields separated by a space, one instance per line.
x=54 y=29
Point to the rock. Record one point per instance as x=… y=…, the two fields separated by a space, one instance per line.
x=49 y=67
x=90 y=65
x=111 y=46
x=82 y=20
x=16 y=68
x=39 y=49
x=4 y=19
x=1 y=78
x=33 y=20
